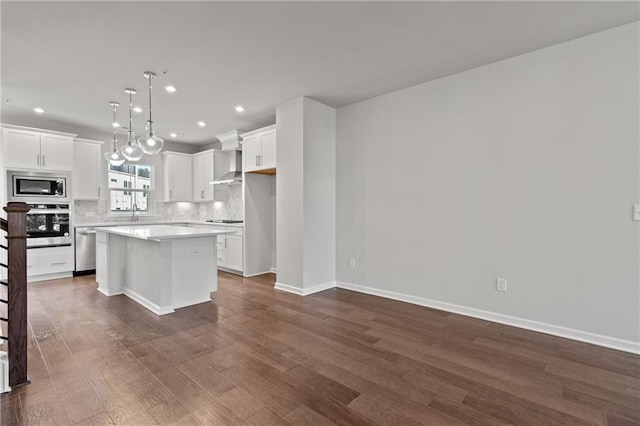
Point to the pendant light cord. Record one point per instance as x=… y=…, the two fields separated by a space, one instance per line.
x=130 y=132
x=113 y=141
x=150 y=76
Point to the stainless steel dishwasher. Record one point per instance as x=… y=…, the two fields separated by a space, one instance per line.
x=85 y=250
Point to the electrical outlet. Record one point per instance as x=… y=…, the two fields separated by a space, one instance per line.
x=501 y=284
x=352 y=262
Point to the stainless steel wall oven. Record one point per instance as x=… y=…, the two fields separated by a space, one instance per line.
x=48 y=225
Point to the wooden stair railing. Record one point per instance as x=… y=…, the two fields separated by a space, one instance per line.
x=15 y=227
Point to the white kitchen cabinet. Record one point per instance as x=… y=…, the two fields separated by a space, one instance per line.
x=259 y=149
x=203 y=168
x=87 y=166
x=26 y=148
x=47 y=263
x=178 y=176
x=233 y=246
x=230 y=256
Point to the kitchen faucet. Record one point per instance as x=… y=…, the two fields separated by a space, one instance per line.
x=134 y=209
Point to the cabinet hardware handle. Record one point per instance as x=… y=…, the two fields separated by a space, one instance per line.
x=98 y=192
x=256 y=160
x=38 y=160
x=58 y=263
x=202 y=194
x=170 y=194
x=42 y=160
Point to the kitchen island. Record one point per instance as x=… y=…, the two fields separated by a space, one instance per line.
x=162 y=267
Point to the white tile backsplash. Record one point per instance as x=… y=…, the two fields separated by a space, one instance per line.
x=233 y=208
x=97 y=211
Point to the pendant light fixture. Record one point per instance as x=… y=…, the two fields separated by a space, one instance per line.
x=150 y=144
x=114 y=157
x=131 y=151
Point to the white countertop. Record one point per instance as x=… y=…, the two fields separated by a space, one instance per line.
x=142 y=222
x=161 y=232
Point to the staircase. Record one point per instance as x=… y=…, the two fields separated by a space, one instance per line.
x=13 y=297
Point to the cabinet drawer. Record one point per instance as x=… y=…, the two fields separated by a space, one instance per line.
x=48 y=261
x=236 y=230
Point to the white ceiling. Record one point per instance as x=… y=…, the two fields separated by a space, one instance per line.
x=72 y=58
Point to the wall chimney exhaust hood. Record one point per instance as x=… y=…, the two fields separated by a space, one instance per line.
x=230 y=140
x=235 y=170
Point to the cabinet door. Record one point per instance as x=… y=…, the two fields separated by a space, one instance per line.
x=56 y=152
x=234 y=252
x=207 y=176
x=198 y=194
x=21 y=148
x=178 y=177
x=87 y=164
x=267 y=158
x=251 y=153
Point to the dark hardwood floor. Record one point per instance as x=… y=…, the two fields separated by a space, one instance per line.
x=258 y=356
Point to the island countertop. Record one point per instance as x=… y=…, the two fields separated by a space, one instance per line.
x=161 y=232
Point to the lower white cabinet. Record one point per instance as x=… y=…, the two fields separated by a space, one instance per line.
x=43 y=262
x=233 y=252
x=229 y=248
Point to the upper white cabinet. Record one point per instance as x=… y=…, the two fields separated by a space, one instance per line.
x=203 y=168
x=26 y=148
x=178 y=176
x=87 y=166
x=259 y=149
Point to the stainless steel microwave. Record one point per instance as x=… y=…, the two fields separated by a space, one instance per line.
x=39 y=187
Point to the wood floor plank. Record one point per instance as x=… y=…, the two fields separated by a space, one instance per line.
x=258 y=356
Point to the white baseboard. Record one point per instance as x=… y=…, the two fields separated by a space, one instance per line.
x=46 y=277
x=256 y=274
x=148 y=304
x=305 y=291
x=555 y=330
x=274 y=270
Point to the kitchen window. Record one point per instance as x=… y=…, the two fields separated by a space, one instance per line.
x=131 y=184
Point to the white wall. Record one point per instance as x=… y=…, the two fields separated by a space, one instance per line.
x=289 y=232
x=305 y=204
x=525 y=169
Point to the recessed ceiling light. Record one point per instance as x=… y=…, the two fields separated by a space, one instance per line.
x=137 y=109
x=170 y=89
x=38 y=110
x=173 y=135
x=201 y=123
x=115 y=124
x=239 y=108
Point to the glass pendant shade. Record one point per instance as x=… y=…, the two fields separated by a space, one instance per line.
x=150 y=144
x=114 y=157
x=131 y=151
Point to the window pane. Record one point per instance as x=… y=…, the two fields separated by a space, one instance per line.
x=122 y=201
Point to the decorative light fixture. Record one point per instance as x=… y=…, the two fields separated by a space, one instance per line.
x=114 y=157
x=150 y=144
x=131 y=151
